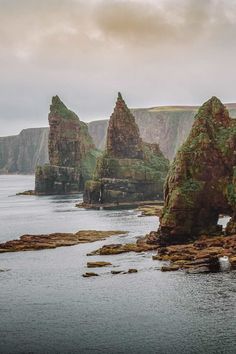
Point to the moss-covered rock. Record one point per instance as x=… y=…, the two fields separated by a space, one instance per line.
x=129 y=170
x=72 y=154
x=201 y=182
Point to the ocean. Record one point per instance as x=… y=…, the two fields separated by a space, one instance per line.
x=46 y=306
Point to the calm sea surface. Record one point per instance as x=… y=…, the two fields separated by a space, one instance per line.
x=46 y=306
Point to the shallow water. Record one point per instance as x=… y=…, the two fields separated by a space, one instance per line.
x=46 y=306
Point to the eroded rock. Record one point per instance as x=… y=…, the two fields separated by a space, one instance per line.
x=201 y=183
x=54 y=240
x=72 y=155
x=129 y=170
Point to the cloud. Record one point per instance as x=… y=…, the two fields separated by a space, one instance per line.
x=156 y=51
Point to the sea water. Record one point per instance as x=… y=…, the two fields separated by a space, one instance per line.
x=46 y=306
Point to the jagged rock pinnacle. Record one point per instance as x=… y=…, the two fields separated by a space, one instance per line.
x=201 y=182
x=123 y=138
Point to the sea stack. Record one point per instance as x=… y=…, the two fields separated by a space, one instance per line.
x=201 y=183
x=129 y=170
x=72 y=155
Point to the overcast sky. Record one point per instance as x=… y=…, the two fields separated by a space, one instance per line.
x=155 y=52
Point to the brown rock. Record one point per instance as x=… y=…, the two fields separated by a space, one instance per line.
x=89 y=274
x=201 y=182
x=232 y=261
x=54 y=240
x=98 y=264
x=132 y=270
x=170 y=268
x=130 y=170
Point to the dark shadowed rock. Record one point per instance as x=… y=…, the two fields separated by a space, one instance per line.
x=89 y=274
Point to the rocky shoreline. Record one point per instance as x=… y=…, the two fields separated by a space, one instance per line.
x=54 y=240
x=207 y=254
x=140 y=205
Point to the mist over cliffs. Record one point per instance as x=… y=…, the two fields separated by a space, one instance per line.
x=22 y=153
x=167 y=126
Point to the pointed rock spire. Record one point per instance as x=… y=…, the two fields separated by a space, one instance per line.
x=123 y=137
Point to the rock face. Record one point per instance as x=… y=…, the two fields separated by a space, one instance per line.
x=123 y=138
x=21 y=153
x=72 y=155
x=167 y=126
x=129 y=170
x=201 y=183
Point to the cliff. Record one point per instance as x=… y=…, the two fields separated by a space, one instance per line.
x=72 y=154
x=129 y=170
x=201 y=182
x=22 y=153
x=166 y=126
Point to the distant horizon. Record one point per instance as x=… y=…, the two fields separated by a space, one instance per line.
x=16 y=132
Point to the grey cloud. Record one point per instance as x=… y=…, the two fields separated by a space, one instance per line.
x=156 y=52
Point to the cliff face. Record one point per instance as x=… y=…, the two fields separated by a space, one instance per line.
x=72 y=154
x=21 y=153
x=166 y=126
x=98 y=131
x=129 y=170
x=201 y=182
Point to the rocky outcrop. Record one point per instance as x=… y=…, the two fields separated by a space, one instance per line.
x=129 y=170
x=72 y=155
x=22 y=153
x=201 y=182
x=208 y=254
x=54 y=240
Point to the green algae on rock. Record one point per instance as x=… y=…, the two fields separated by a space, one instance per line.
x=201 y=181
x=72 y=155
x=129 y=170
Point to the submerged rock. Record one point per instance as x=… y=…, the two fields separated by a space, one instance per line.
x=72 y=155
x=201 y=183
x=129 y=170
x=115 y=272
x=98 y=264
x=89 y=274
x=132 y=270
